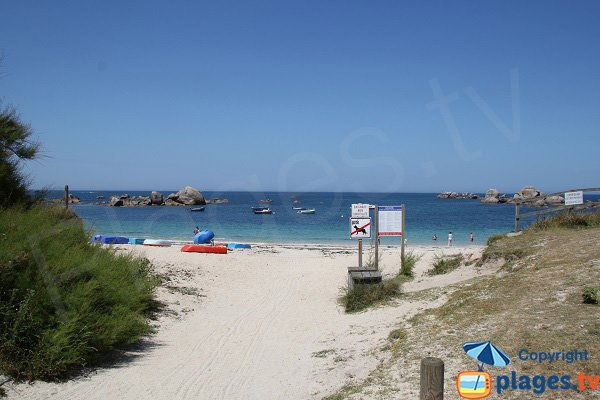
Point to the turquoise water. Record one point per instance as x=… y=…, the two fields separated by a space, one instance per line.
x=235 y=222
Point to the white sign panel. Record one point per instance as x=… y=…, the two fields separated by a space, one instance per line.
x=390 y=221
x=573 y=198
x=360 y=210
x=360 y=228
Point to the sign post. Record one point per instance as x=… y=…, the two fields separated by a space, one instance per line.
x=360 y=228
x=376 y=237
x=573 y=198
x=390 y=222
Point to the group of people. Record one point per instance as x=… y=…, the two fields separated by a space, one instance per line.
x=451 y=238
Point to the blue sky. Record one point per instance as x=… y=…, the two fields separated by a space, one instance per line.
x=307 y=96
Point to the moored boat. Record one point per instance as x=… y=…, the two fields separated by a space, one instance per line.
x=197 y=209
x=307 y=211
x=262 y=210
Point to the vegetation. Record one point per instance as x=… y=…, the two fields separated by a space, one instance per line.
x=408 y=264
x=444 y=264
x=63 y=301
x=15 y=145
x=361 y=297
x=568 y=220
x=590 y=295
x=534 y=303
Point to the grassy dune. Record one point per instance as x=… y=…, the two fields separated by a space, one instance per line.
x=534 y=302
x=63 y=301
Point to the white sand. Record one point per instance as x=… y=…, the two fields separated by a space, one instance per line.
x=257 y=334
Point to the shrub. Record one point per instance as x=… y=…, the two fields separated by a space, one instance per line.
x=408 y=264
x=590 y=295
x=63 y=301
x=444 y=264
x=361 y=297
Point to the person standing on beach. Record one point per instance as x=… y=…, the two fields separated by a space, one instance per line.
x=471 y=237
x=196 y=230
x=449 y=239
x=434 y=237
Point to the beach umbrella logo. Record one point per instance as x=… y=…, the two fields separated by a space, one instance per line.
x=478 y=384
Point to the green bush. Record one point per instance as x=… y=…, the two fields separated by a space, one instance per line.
x=590 y=295
x=408 y=264
x=63 y=301
x=361 y=297
x=444 y=264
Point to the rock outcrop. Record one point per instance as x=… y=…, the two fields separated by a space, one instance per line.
x=188 y=196
x=73 y=199
x=156 y=199
x=492 y=196
x=455 y=195
x=126 y=200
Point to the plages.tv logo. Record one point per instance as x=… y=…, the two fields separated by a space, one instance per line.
x=478 y=384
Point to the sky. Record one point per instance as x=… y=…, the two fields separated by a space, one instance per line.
x=359 y=96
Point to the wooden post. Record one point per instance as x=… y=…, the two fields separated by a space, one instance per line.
x=376 y=237
x=359 y=253
x=517 y=217
x=403 y=237
x=67 y=196
x=432 y=379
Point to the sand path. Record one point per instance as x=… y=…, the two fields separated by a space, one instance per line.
x=268 y=328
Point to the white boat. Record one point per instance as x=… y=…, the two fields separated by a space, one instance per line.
x=157 y=242
x=262 y=210
x=298 y=208
x=307 y=211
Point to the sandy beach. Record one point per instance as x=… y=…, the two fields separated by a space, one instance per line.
x=262 y=323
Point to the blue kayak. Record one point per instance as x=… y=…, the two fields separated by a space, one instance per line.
x=110 y=239
x=238 y=246
x=136 y=241
x=204 y=237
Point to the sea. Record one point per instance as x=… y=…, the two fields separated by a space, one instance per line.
x=425 y=216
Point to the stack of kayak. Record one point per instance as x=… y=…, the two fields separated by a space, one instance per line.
x=110 y=239
x=103 y=239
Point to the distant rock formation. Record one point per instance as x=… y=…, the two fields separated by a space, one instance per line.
x=188 y=196
x=73 y=199
x=126 y=200
x=455 y=195
x=492 y=196
x=157 y=199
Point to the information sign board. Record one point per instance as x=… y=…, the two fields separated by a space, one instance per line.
x=390 y=221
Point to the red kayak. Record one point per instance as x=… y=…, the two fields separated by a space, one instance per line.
x=198 y=248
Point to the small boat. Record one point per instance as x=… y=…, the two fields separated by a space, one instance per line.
x=197 y=209
x=195 y=248
x=265 y=201
x=298 y=208
x=157 y=243
x=307 y=211
x=262 y=210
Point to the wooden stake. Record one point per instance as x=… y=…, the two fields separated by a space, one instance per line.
x=432 y=379
x=67 y=196
x=359 y=253
x=517 y=217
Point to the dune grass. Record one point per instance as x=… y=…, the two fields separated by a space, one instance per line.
x=63 y=301
x=444 y=264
